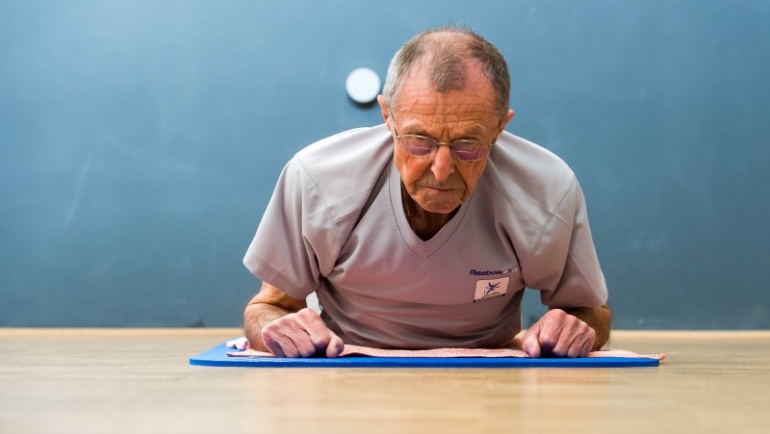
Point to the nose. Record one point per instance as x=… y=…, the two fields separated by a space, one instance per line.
x=443 y=164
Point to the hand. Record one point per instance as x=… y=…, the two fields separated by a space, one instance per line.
x=559 y=334
x=301 y=334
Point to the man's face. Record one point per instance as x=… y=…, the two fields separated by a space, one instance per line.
x=440 y=183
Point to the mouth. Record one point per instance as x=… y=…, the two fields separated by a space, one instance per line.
x=442 y=188
x=437 y=192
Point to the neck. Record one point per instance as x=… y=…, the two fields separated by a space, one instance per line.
x=425 y=224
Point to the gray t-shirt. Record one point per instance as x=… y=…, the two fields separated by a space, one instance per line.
x=335 y=225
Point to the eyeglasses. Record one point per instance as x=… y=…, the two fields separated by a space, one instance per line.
x=424 y=146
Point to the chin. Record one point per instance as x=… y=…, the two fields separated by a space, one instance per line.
x=441 y=208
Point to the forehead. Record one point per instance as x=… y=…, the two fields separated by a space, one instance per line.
x=420 y=104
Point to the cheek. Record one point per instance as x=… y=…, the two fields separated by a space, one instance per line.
x=471 y=175
x=409 y=167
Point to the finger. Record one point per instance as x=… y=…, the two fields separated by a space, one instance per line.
x=576 y=348
x=564 y=341
x=551 y=325
x=335 y=347
x=590 y=342
x=272 y=343
x=587 y=346
x=549 y=339
x=319 y=335
x=574 y=335
x=305 y=334
x=530 y=343
x=285 y=337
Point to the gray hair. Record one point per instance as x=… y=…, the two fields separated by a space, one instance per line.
x=448 y=57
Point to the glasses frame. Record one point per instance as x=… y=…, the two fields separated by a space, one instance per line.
x=438 y=144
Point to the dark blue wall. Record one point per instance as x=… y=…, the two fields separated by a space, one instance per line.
x=140 y=141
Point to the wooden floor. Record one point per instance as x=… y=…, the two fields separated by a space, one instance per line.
x=139 y=381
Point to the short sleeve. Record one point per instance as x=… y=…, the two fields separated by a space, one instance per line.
x=295 y=235
x=569 y=274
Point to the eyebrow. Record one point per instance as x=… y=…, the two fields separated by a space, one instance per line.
x=476 y=130
x=472 y=132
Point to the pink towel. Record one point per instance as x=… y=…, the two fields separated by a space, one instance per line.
x=355 y=350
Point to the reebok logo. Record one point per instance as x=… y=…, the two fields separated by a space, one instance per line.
x=490 y=272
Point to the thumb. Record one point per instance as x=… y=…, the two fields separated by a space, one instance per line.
x=531 y=341
x=335 y=347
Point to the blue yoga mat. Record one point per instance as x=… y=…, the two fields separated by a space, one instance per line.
x=217 y=356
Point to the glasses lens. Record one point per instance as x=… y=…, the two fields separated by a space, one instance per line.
x=465 y=150
x=418 y=145
x=469 y=150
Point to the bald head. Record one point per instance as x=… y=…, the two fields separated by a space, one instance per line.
x=444 y=55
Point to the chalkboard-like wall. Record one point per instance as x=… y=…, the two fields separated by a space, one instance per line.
x=140 y=141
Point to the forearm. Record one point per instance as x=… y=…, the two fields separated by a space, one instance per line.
x=598 y=318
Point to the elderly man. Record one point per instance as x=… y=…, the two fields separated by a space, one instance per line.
x=425 y=231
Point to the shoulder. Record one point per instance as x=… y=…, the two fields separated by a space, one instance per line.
x=363 y=146
x=532 y=178
x=343 y=169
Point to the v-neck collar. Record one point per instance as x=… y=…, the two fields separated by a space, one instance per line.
x=415 y=243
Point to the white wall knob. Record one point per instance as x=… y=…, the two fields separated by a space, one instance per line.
x=363 y=85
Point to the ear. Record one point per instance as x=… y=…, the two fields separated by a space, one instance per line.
x=385 y=110
x=505 y=121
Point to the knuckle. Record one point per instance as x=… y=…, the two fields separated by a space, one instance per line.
x=548 y=337
x=557 y=314
x=304 y=313
x=270 y=330
x=267 y=338
x=307 y=350
x=273 y=345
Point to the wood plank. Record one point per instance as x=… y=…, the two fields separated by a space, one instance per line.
x=136 y=381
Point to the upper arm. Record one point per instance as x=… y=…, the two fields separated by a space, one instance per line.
x=274 y=296
x=567 y=268
x=282 y=251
